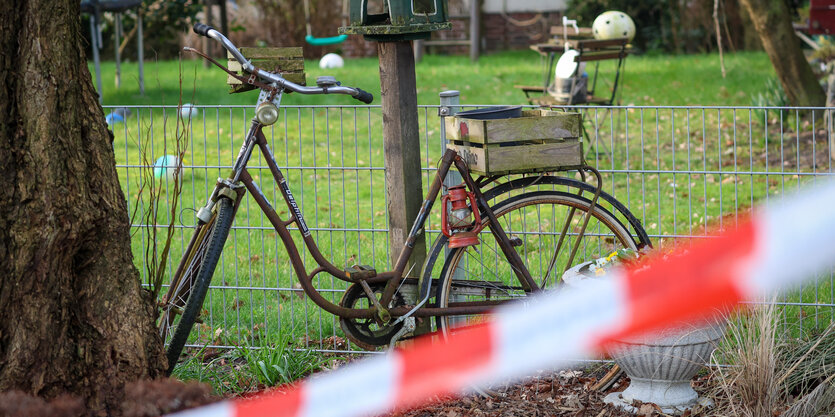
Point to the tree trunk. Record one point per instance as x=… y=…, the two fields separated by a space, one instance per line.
x=74 y=317
x=772 y=21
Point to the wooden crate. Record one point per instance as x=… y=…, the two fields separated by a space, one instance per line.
x=285 y=61
x=540 y=140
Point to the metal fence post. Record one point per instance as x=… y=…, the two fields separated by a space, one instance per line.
x=450 y=105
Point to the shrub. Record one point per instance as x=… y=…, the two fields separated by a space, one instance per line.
x=671 y=25
x=163 y=23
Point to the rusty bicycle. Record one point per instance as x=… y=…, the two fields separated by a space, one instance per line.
x=503 y=236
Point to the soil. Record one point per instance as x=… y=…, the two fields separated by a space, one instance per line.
x=804 y=152
x=565 y=393
x=142 y=399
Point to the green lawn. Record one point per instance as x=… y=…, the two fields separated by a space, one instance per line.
x=678 y=170
x=649 y=80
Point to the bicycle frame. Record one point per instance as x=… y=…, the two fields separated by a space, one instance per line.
x=392 y=279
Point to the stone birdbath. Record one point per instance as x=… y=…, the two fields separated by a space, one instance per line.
x=661 y=365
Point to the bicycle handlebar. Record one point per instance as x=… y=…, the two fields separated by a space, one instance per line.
x=210 y=32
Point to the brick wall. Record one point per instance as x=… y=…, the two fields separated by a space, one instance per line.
x=516 y=30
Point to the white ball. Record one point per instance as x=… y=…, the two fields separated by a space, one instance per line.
x=613 y=24
x=331 y=61
x=165 y=166
x=187 y=111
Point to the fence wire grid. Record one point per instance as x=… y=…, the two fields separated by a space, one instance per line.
x=682 y=171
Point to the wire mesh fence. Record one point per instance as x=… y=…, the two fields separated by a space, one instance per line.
x=680 y=170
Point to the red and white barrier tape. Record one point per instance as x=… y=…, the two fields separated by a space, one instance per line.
x=780 y=246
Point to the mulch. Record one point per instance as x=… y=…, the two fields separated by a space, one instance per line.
x=142 y=399
x=563 y=393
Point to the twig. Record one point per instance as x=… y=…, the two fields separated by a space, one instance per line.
x=727 y=30
x=718 y=35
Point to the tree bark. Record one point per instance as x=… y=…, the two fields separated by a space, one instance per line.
x=772 y=21
x=74 y=316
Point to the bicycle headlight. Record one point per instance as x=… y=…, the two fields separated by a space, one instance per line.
x=266 y=113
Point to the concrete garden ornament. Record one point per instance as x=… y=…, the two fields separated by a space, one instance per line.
x=661 y=365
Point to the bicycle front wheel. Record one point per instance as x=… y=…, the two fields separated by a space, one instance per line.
x=545 y=228
x=193 y=284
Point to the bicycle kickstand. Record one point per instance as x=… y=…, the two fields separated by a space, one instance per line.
x=408 y=327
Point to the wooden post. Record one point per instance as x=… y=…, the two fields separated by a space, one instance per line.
x=207 y=43
x=140 y=51
x=475 y=26
x=224 y=19
x=117 y=33
x=404 y=192
x=418 y=45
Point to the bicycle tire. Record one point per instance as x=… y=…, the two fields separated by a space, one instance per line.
x=216 y=240
x=505 y=281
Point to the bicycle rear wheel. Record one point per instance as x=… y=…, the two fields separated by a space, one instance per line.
x=188 y=291
x=537 y=223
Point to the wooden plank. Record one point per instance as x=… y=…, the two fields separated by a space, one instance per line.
x=269 y=65
x=237 y=87
x=527 y=158
x=462 y=42
x=295 y=77
x=286 y=61
x=269 y=52
x=598 y=100
x=587 y=45
x=530 y=88
x=602 y=43
x=523 y=158
x=533 y=125
x=558 y=30
x=586 y=57
x=475 y=157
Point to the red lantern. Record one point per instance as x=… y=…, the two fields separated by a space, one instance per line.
x=455 y=220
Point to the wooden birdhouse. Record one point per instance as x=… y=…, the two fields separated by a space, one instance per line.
x=396 y=20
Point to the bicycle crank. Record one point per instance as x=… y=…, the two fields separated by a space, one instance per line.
x=368 y=333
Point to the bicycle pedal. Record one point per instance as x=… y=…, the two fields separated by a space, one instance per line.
x=360 y=272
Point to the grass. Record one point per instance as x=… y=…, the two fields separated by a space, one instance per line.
x=773 y=369
x=254 y=364
x=647 y=80
x=678 y=170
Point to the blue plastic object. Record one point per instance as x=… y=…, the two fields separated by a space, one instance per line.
x=325 y=41
x=114 y=118
x=165 y=166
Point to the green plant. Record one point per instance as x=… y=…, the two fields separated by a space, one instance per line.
x=772 y=95
x=166 y=20
x=275 y=363
x=750 y=387
x=771 y=371
x=813 y=360
x=217 y=372
x=159 y=195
